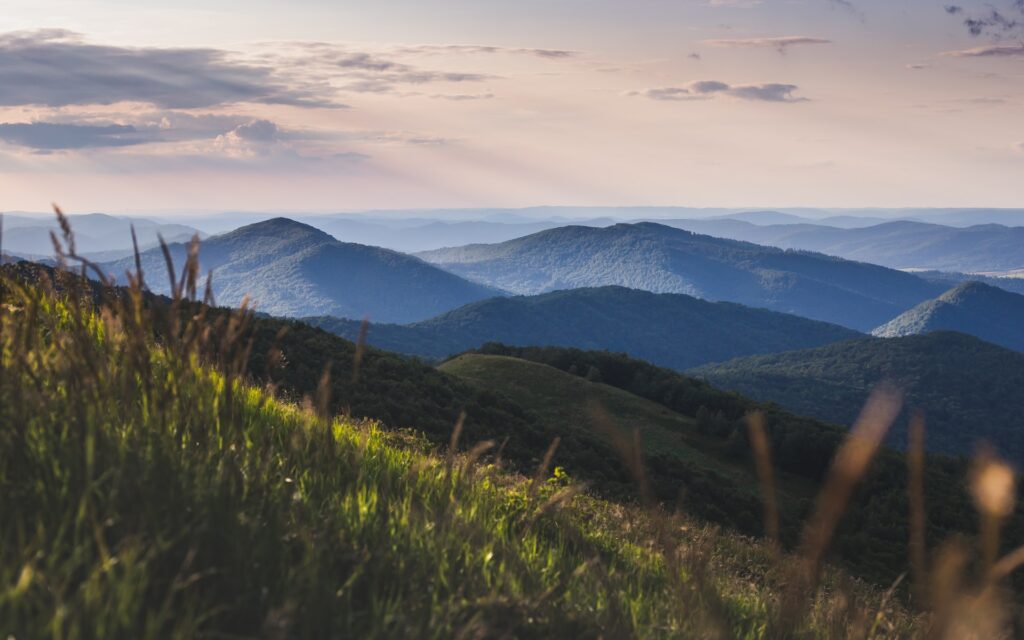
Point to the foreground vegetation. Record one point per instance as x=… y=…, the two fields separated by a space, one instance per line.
x=151 y=490
x=150 y=494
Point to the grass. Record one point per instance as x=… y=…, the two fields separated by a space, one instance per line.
x=570 y=404
x=151 y=491
x=147 y=494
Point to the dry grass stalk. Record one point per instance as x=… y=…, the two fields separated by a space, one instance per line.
x=848 y=467
x=915 y=497
x=766 y=476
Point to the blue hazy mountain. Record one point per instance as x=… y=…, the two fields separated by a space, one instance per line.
x=671 y=330
x=97 y=235
x=663 y=259
x=292 y=269
x=900 y=245
x=974 y=308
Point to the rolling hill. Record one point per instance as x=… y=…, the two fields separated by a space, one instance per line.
x=902 y=244
x=974 y=308
x=969 y=390
x=592 y=419
x=663 y=259
x=291 y=269
x=695 y=446
x=671 y=330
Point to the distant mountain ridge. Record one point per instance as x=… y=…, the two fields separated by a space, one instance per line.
x=663 y=259
x=292 y=269
x=968 y=389
x=96 y=234
x=899 y=244
x=671 y=330
x=974 y=308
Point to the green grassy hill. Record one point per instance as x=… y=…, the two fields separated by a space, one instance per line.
x=595 y=423
x=874 y=534
x=150 y=491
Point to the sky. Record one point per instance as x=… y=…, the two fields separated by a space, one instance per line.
x=317 y=105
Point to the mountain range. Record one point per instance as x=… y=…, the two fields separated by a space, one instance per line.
x=968 y=389
x=663 y=259
x=672 y=330
x=287 y=268
x=975 y=308
x=900 y=244
x=97 y=235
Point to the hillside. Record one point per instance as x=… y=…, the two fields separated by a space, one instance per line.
x=291 y=269
x=594 y=419
x=244 y=508
x=662 y=259
x=672 y=330
x=899 y=244
x=873 y=535
x=162 y=499
x=973 y=308
x=968 y=389
x=291 y=357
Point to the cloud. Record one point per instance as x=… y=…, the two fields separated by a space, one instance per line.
x=707 y=89
x=471 y=49
x=57 y=68
x=743 y=4
x=390 y=81
x=992 y=51
x=993 y=21
x=780 y=44
x=848 y=6
x=462 y=97
x=63 y=132
x=263 y=131
x=50 y=136
x=334 y=65
x=256 y=138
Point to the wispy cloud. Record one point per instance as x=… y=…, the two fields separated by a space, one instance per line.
x=780 y=44
x=338 y=67
x=462 y=97
x=991 y=51
x=847 y=5
x=473 y=49
x=993 y=21
x=707 y=89
x=742 y=4
x=56 y=68
x=50 y=136
x=70 y=133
